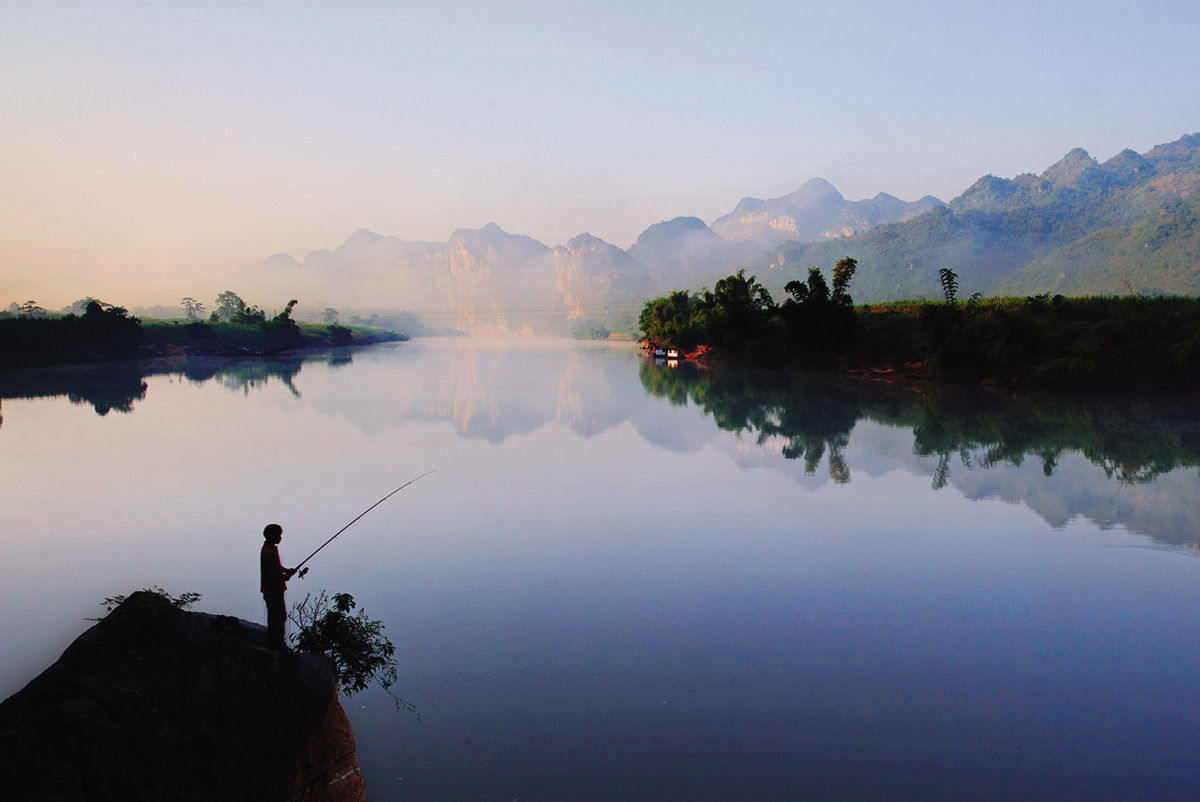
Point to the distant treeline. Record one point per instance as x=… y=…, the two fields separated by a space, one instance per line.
x=32 y=337
x=1119 y=343
x=266 y=337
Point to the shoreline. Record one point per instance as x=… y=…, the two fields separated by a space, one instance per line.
x=173 y=339
x=915 y=376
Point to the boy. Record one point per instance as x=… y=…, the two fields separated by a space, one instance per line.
x=273 y=582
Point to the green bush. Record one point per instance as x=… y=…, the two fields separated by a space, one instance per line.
x=361 y=652
x=738 y=317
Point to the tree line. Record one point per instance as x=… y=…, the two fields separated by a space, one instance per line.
x=91 y=330
x=1099 y=342
x=739 y=316
x=101 y=331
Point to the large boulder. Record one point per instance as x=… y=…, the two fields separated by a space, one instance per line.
x=156 y=703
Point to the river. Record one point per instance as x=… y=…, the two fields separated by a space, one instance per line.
x=645 y=582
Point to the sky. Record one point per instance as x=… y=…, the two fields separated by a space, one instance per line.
x=148 y=150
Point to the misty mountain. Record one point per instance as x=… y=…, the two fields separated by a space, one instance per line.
x=1080 y=227
x=817 y=211
x=481 y=281
x=363 y=252
x=686 y=253
x=277 y=261
x=487 y=280
x=598 y=280
x=496 y=279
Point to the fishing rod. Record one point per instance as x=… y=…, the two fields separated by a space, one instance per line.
x=360 y=515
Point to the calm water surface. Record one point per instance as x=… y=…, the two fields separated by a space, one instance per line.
x=627 y=581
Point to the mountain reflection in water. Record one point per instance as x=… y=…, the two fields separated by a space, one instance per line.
x=1030 y=448
x=634 y=582
x=970 y=431
x=1132 y=441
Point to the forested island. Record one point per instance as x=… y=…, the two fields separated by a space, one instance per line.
x=1098 y=342
x=98 y=331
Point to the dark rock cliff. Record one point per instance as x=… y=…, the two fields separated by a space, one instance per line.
x=155 y=703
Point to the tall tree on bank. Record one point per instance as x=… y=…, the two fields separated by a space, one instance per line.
x=668 y=321
x=819 y=323
x=736 y=314
x=192 y=309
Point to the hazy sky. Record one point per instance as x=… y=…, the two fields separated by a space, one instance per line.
x=147 y=149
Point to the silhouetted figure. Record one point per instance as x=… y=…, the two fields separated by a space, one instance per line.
x=273 y=583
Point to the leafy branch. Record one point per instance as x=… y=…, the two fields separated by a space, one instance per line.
x=361 y=652
x=186 y=599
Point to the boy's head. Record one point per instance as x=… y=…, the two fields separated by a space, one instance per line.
x=273 y=533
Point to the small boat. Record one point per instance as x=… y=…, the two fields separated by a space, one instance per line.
x=673 y=353
x=660 y=353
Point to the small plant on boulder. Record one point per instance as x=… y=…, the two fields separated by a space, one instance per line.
x=185 y=599
x=330 y=625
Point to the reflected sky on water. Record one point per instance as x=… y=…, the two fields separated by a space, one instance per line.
x=632 y=581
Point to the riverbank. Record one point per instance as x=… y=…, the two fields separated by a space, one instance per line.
x=1107 y=344
x=111 y=335
x=1127 y=343
x=181 y=338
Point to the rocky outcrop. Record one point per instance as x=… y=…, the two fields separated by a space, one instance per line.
x=817 y=211
x=498 y=281
x=598 y=279
x=156 y=703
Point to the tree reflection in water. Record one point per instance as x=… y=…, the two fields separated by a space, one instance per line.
x=118 y=385
x=956 y=432
x=1131 y=440
x=106 y=386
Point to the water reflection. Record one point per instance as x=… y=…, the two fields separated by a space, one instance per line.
x=105 y=387
x=1060 y=457
x=115 y=386
x=638 y=583
x=1030 y=449
x=1132 y=441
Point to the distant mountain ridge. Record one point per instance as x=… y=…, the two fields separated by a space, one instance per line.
x=1127 y=225
x=487 y=280
x=817 y=211
x=1080 y=227
x=684 y=252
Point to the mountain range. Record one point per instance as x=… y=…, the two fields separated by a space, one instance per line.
x=1081 y=227
x=1130 y=224
x=489 y=281
x=815 y=212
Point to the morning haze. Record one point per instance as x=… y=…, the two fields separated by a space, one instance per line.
x=149 y=154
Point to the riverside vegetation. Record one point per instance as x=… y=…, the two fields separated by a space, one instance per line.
x=93 y=331
x=1097 y=342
